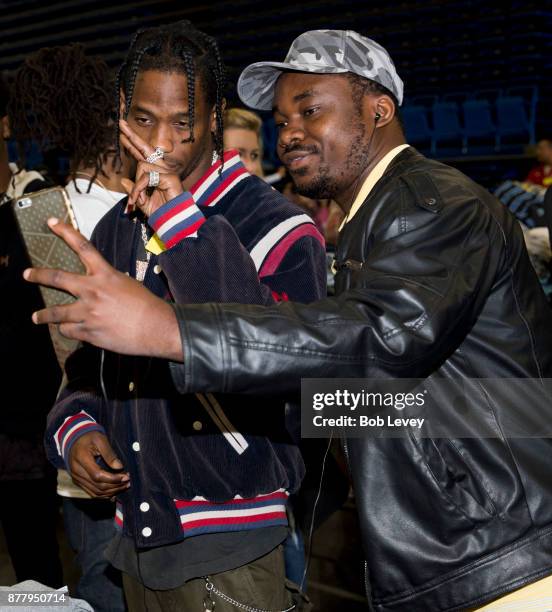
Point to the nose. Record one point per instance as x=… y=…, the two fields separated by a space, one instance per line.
x=161 y=136
x=291 y=131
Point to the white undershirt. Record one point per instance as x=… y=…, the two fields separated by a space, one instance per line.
x=370 y=181
x=90 y=207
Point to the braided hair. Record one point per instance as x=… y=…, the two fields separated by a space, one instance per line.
x=62 y=100
x=178 y=47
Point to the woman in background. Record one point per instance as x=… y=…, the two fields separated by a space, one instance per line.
x=242 y=131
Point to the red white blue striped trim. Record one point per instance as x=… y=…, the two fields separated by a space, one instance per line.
x=213 y=186
x=181 y=217
x=177 y=219
x=71 y=430
x=201 y=516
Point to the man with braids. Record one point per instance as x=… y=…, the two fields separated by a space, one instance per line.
x=64 y=101
x=203 y=479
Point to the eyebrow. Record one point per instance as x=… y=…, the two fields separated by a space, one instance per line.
x=148 y=111
x=306 y=94
x=302 y=96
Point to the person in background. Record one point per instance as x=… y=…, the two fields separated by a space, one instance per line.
x=30 y=378
x=542 y=174
x=65 y=101
x=14 y=181
x=242 y=131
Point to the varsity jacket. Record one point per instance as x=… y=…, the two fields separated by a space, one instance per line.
x=433 y=282
x=198 y=463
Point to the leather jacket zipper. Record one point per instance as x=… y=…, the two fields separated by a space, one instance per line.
x=367 y=588
x=346 y=451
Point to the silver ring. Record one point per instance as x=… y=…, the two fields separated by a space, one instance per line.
x=157 y=154
x=153 y=178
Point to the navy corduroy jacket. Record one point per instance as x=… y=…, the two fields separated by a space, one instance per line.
x=189 y=456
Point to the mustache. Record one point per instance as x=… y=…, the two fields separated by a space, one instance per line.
x=298 y=148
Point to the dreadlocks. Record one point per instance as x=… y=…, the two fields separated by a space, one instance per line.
x=178 y=47
x=62 y=99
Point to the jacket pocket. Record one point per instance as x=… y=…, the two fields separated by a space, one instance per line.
x=455 y=478
x=219 y=418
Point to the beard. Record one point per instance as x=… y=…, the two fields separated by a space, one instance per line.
x=320 y=187
x=324 y=185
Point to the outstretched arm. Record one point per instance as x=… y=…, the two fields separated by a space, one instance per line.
x=112 y=310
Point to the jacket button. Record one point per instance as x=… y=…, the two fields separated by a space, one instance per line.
x=144 y=506
x=197 y=425
x=146 y=532
x=431 y=201
x=131 y=386
x=157 y=269
x=136 y=446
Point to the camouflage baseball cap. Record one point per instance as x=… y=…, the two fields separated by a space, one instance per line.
x=321 y=52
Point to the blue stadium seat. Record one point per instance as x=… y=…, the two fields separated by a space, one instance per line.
x=446 y=125
x=417 y=128
x=479 y=126
x=513 y=120
x=530 y=93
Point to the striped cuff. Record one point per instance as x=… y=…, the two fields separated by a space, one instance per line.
x=177 y=219
x=71 y=430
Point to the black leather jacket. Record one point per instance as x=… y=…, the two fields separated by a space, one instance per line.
x=433 y=280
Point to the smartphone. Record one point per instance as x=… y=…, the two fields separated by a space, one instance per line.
x=46 y=250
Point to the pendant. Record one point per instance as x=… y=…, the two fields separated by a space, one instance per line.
x=141 y=269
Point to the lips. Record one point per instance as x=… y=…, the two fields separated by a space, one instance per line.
x=297 y=159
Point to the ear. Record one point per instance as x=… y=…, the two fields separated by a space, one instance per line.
x=384 y=107
x=214 y=115
x=5 y=127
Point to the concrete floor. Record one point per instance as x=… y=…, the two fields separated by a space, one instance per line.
x=335 y=578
